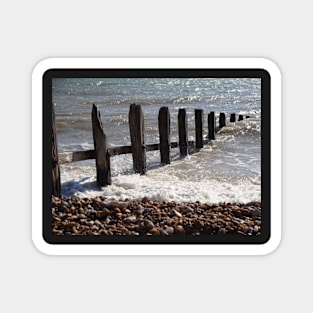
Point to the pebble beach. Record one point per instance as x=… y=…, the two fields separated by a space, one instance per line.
x=102 y=216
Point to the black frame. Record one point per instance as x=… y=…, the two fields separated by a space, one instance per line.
x=158 y=73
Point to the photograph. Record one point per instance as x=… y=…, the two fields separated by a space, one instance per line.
x=157 y=158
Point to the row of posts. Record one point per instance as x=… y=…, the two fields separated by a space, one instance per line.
x=138 y=147
x=136 y=125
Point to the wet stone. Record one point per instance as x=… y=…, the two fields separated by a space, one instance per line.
x=145 y=199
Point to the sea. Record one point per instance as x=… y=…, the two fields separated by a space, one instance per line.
x=227 y=169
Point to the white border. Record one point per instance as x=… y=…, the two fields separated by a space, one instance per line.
x=149 y=249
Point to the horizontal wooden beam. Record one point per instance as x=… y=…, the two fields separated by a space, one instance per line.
x=152 y=147
x=120 y=150
x=69 y=157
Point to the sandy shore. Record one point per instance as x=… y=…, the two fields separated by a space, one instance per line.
x=101 y=216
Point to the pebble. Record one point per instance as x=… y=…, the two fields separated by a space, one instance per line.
x=170 y=230
x=140 y=209
x=98 y=223
x=100 y=216
x=148 y=224
x=256 y=228
x=175 y=213
x=168 y=221
x=117 y=210
x=131 y=219
x=115 y=204
x=163 y=232
x=106 y=211
x=147 y=210
x=145 y=199
x=222 y=231
x=154 y=231
x=179 y=230
x=256 y=213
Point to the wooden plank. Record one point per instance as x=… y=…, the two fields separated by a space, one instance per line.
x=101 y=149
x=136 y=127
x=56 y=180
x=222 y=120
x=120 y=150
x=128 y=149
x=182 y=132
x=75 y=156
x=164 y=132
x=232 y=118
x=199 y=128
x=152 y=147
x=211 y=124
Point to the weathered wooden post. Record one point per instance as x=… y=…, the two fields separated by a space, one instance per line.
x=199 y=128
x=222 y=120
x=136 y=127
x=182 y=132
x=56 y=181
x=240 y=118
x=232 y=117
x=164 y=132
x=101 y=149
x=211 y=124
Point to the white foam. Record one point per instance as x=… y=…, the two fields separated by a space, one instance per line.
x=163 y=185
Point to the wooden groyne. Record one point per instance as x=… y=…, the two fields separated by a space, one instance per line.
x=102 y=153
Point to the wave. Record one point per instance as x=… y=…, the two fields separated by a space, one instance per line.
x=160 y=186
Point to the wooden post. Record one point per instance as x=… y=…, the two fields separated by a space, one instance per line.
x=182 y=132
x=240 y=118
x=199 y=128
x=222 y=120
x=164 y=131
x=56 y=181
x=232 y=117
x=211 y=124
x=101 y=149
x=136 y=127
